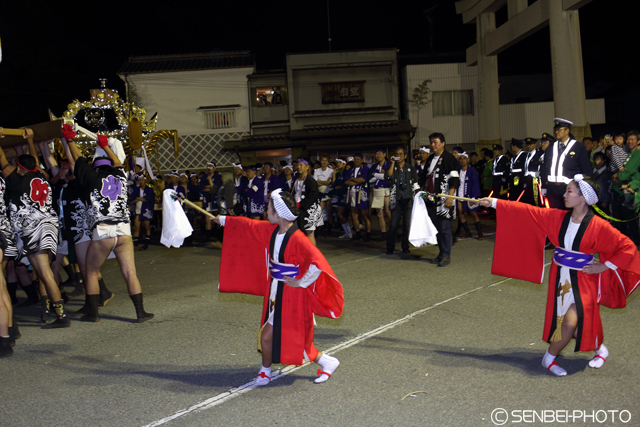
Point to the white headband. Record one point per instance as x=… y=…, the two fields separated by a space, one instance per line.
x=464 y=153
x=340 y=160
x=184 y=174
x=425 y=149
x=237 y=166
x=287 y=167
x=280 y=206
x=349 y=159
x=590 y=195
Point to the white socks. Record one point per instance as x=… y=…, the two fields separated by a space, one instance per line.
x=549 y=362
x=329 y=365
x=264 y=376
x=347 y=231
x=601 y=354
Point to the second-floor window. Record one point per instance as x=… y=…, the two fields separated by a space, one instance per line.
x=453 y=103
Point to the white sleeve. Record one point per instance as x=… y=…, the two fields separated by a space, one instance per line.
x=494 y=202
x=611 y=265
x=310 y=276
x=222 y=219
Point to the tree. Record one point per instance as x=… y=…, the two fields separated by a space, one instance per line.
x=420 y=98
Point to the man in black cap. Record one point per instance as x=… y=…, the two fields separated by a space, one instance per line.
x=563 y=160
x=532 y=172
x=500 y=173
x=516 y=178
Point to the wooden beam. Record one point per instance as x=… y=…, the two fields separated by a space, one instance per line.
x=521 y=26
x=471 y=9
x=41 y=132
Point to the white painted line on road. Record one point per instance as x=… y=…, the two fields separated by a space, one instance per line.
x=234 y=392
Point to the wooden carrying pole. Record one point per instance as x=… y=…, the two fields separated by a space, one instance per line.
x=196 y=207
x=12 y=132
x=465 y=199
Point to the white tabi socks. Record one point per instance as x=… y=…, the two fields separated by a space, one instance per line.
x=549 y=362
x=347 y=231
x=264 y=376
x=601 y=355
x=329 y=365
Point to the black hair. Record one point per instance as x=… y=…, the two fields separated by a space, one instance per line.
x=600 y=154
x=27 y=161
x=105 y=168
x=437 y=135
x=634 y=133
x=401 y=147
x=290 y=202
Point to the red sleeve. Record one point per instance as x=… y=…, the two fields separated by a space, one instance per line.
x=615 y=286
x=326 y=294
x=243 y=263
x=520 y=238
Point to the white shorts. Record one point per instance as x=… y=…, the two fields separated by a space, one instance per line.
x=378 y=197
x=63 y=247
x=109 y=231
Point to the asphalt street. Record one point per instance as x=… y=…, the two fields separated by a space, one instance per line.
x=418 y=345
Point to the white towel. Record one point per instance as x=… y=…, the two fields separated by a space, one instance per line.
x=422 y=229
x=175 y=225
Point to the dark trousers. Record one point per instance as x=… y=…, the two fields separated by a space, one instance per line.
x=402 y=210
x=445 y=236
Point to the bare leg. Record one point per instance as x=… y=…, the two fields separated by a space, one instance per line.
x=568 y=328
x=311 y=235
x=267 y=345
x=40 y=263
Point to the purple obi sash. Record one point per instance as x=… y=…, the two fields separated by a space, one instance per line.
x=280 y=270
x=571 y=259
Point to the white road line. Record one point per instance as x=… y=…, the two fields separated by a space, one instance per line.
x=234 y=392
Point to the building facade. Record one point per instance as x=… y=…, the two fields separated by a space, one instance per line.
x=205 y=97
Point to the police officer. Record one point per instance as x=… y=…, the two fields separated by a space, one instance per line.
x=500 y=172
x=516 y=177
x=564 y=159
x=532 y=172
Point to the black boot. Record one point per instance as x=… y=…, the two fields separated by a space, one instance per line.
x=46 y=313
x=383 y=237
x=145 y=244
x=78 y=291
x=479 y=229
x=92 y=313
x=12 y=287
x=32 y=295
x=457 y=233
x=466 y=229
x=105 y=294
x=71 y=276
x=83 y=310
x=356 y=236
x=14 y=331
x=142 y=315
x=367 y=237
x=62 y=320
x=5 y=347
x=328 y=228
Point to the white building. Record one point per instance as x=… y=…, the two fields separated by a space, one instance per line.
x=202 y=96
x=453 y=106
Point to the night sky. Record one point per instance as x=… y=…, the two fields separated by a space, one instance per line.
x=54 y=55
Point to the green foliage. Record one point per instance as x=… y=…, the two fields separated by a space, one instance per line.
x=420 y=95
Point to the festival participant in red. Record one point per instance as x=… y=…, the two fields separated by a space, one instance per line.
x=577 y=284
x=300 y=284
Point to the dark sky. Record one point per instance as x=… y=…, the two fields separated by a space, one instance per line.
x=52 y=55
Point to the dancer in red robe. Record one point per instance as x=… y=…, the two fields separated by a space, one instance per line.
x=275 y=260
x=577 y=284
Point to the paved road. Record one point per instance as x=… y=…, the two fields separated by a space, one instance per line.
x=465 y=341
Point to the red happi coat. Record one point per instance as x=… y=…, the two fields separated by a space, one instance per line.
x=244 y=269
x=519 y=253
